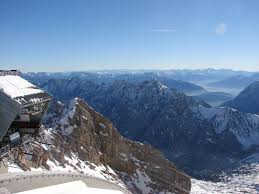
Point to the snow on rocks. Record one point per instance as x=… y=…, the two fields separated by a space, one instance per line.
x=74 y=164
x=244 y=178
x=245 y=127
x=142 y=180
x=238 y=184
x=68 y=114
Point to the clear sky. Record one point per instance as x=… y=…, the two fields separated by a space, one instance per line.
x=72 y=35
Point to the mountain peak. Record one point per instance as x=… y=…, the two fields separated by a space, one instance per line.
x=155 y=83
x=93 y=137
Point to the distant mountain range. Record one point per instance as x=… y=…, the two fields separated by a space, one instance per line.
x=202 y=75
x=192 y=75
x=198 y=138
x=238 y=81
x=191 y=82
x=247 y=100
x=98 y=78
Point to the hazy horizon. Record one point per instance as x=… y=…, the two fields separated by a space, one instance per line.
x=137 y=70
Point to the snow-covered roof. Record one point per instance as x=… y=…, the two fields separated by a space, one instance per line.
x=21 y=90
x=15 y=86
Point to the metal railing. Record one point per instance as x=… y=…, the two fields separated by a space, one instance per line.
x=6 y=149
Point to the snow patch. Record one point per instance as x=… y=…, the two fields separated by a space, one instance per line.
x=68 y=113
x=142 y=180
x=13 y=168
x=102 y=125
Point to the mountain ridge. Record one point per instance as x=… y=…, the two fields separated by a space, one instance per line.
x=99 y=78
x=172 y=122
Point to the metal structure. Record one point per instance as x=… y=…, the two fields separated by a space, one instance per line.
x=22 y=108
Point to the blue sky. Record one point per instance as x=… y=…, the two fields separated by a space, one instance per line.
x=72 y=35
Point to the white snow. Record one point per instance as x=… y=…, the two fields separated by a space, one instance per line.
x=124 y=157
x=71 y=163
x=245 y=127
x=243 y=179
x=69 y=113
x=15 y=86
x=102 y=125
x=74 y=164
x=78 y=187
x=13 y=168
x=142 y=180
x=139 y=179
x=237 y=185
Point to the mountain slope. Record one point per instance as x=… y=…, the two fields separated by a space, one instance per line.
x=82 y=139
x=199 y=139
x=247 y=100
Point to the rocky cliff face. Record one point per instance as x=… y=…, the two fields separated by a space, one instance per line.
x=83 y=140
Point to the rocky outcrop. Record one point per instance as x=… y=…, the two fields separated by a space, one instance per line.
x=79 y=130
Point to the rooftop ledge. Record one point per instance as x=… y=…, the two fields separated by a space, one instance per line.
x=9 y=72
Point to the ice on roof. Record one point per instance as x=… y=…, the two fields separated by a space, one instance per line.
x=15 y=86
